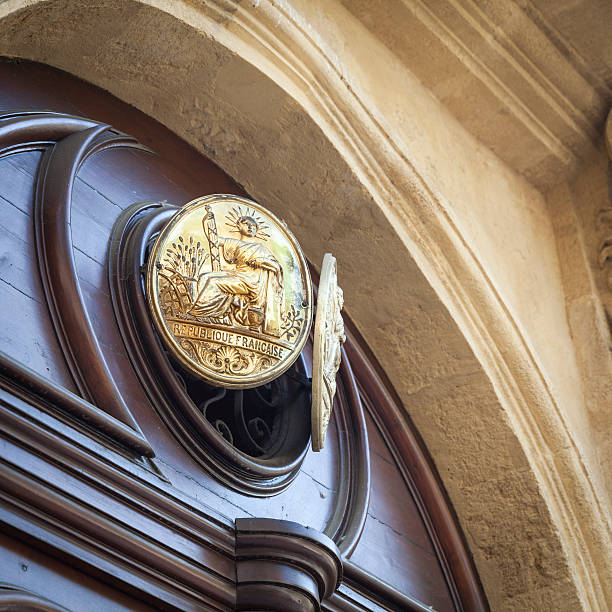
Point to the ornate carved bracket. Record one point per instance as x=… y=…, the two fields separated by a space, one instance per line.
x=282 y=566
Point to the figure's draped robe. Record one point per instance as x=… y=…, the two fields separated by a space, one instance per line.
x=255 y=283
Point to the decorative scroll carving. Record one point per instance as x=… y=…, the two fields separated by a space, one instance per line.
x=68 y=142
x=284 y=567
x=223 y=359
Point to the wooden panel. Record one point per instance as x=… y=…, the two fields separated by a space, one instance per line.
x=31 y=569
x=37 y=87
x=17 y=184
x=65 y=490
x=26 y=331
x=395 y=545
x=400 y=513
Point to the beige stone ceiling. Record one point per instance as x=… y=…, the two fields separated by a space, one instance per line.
x=531 y=79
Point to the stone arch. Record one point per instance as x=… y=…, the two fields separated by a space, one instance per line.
x=253 y=88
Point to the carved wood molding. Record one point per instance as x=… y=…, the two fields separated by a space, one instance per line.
x=42 y=391
x=346 y=524
x=142 y=537
x=363 y=581
x=79 y=499
x=284 y=567
x=68 y=142
x=146 y=538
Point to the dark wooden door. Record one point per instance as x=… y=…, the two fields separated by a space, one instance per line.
x=104 y=503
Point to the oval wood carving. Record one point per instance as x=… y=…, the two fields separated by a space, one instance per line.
x=131 y=237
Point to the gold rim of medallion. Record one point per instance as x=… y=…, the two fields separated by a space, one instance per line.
x=242 y=338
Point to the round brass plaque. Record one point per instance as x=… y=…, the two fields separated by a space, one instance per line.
x=230 y=292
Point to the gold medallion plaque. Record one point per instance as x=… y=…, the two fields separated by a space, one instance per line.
x=230 y=292
x=326 y=349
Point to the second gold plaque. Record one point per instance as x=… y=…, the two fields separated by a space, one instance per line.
x=230 y=292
